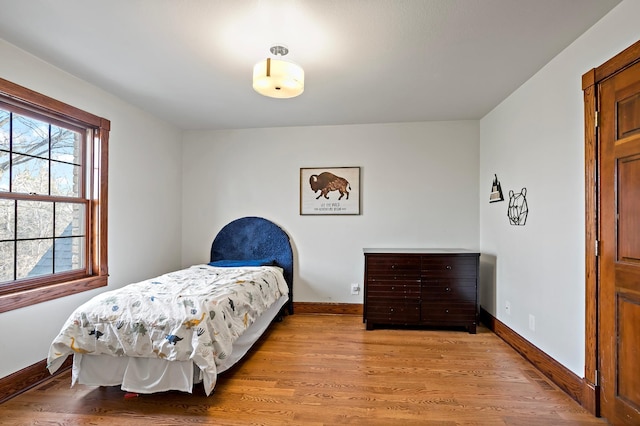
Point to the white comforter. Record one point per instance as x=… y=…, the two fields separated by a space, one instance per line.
x=192 y=314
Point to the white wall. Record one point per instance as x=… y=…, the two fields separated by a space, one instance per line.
x=144 y=201
x=419 y=186
x=535 y=139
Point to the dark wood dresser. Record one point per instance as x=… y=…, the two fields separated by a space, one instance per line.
x=424 y=287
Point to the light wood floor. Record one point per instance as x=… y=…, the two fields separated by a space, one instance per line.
x=327 y=370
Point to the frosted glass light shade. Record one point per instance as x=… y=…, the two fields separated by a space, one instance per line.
x=278 y=79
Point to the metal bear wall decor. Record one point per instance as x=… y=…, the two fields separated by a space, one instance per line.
x=518 y=208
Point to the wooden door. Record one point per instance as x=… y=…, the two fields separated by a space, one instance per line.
x=619 y=266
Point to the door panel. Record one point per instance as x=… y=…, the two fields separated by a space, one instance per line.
x=619 y=290
x=628 y=344
x=629 y=207
x=628 y=119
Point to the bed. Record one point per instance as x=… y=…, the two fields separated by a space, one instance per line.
x=187 y=326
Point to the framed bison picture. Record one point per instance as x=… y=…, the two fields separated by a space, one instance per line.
x=330 y=190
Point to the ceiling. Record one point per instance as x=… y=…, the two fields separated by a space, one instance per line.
x=190 y=62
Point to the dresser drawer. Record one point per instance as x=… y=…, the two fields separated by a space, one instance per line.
x=448 y=313
x=462 y=290
x=390 y=288
x=449 y=266
x=379 y=266
x=393 y=311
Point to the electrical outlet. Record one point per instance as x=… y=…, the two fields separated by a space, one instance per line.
x=507 y=307
x=532 y=323
x=355 y=288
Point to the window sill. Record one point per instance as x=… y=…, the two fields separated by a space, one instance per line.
x=26 y=298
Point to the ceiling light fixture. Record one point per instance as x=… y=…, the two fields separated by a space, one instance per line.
x=277 y=78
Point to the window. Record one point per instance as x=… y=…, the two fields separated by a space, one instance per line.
x=53 y=198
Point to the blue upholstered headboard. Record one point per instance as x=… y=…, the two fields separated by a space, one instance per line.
x=251 y=238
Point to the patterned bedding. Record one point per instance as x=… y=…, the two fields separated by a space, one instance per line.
x=192 y=314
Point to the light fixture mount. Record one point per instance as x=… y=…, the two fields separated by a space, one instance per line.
x=277 y=78
x=279 y=50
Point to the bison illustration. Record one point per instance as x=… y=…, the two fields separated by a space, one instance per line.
x=326 y=182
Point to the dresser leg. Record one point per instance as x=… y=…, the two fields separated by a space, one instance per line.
x=472 y=329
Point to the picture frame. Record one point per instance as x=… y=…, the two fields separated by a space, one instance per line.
x=330 y=191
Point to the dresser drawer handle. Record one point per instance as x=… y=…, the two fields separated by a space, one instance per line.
x=449 y=267
x=446 y=311
x=447 y=289
x=393 y=266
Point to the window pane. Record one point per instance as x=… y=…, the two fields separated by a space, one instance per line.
x=35 y=219
x=30 y=175
x=30 y=136
x=65 y=145
x=65 y=179
x=6 y=261
x=70 y=219
x=34 y=258
x=69 y=254
x=5 y=116
x=4 y=171
x=58 y=150
x=7 y=219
